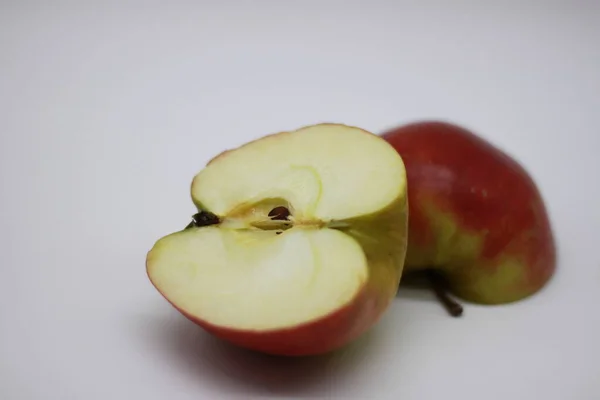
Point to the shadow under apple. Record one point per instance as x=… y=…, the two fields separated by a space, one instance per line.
x=229 y=369
x=416 y=286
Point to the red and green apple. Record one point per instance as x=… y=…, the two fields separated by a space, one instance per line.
x=298 y=245
x=477 y=219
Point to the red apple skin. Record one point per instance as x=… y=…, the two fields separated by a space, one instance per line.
x=320 y=336
x=498 y=244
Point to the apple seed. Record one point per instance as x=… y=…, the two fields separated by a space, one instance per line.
x=279 y=213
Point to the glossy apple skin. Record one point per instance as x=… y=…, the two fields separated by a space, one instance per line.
x=475 y=213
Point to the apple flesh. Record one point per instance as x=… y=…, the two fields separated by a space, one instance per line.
x=299 y=243
x=476 y=216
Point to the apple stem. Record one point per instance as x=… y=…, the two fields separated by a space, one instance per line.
x=439 y=286
x=203 y=218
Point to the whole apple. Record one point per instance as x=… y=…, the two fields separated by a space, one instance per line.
x=476 y=217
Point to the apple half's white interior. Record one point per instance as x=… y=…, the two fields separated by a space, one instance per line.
x=237 y=275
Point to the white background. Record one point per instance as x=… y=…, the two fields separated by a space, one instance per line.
x=107 y=112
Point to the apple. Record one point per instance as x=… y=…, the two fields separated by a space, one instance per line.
x=298 y=245
x=477 y=223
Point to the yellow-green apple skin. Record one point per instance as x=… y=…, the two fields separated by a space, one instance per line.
x=309 y=284
x=475 y=214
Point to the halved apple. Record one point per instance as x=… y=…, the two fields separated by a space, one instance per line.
x=299 y=243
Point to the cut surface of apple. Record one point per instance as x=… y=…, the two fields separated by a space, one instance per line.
x=252 y=280
x=307 y=224
x=325 y=172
